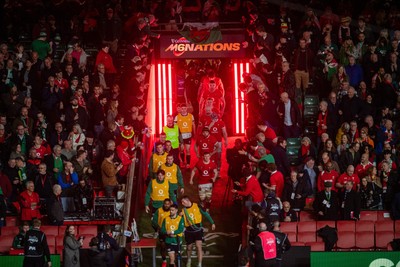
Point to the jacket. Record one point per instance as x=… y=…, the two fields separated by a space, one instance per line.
x=71 y=251
x=295 y=115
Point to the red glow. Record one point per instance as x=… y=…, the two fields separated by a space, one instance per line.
x=235 y=70
x=170 y=89
x=159 y=99
x=164 y=96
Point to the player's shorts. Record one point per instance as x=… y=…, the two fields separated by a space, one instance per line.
x=185 y=138
x=172 y=248
x=192 y=237
x=205 y=191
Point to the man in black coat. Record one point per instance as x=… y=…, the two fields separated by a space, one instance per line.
x=295 y=191
x=280 y=156
x=326 y=204
x=350 y=203
x=58 y=136
x=282 y=243
x=291 y=121
x=236 y=162
x=43 y=182
x=75 y=114
x=55 y=210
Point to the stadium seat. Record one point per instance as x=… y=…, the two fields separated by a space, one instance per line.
x=6 y=243
x=289 y=228
x=368 y=215
x=293 y=142
x=61 y=230
x=365 y=226
x=11 y=221
x=308 y=226
x=87 y=230
x=316 y=246
x=306 y=216
x=60 y=240
x=382 y=239
x=397 y=228
x=297 y=244
x=52 y=249
x=310 y=111
x=321 y=224
x=50 y=230
x=86 y=240
x=346 y=240
x=346 y=226
x=9 y=230
x=365 y=240
x=51 y=240
x=383 y=226
x=384 y=215
x=311 y=100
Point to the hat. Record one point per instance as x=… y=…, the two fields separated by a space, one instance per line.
x=73 y=98
x=361 y=17
x=206 y=129
x=89 y=134
x=284 y=26
x=345 y=19
x=128 y=132
x=75 y=78
x=42 y=34
x=21 y=158
x=328 y=184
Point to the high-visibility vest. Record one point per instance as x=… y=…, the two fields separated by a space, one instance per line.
x=171 y=173
x=159 y=192
x=194 y=213
x=268 y=243
x=172 y=224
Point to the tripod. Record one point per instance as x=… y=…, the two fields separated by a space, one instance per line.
x=227 y=192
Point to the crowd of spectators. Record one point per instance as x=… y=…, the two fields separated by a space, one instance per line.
x=72 y=100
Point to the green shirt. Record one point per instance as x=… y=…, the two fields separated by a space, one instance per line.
x=41 y=47
x=172 y=134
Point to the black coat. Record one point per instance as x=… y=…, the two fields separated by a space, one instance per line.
x=49 y=161
x=301 y=189
x=281 y=160
x=97 y=258
x=331 y=210
x=350 y=202
x=55 y=210
x=44 y=189
x=347 y=159
x=70 y=118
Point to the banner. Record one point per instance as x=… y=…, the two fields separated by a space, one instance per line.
x=353 y=259
x=174 y=46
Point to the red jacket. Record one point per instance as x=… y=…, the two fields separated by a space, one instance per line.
x=253 y=189
x=28 y=213
x=105 y=59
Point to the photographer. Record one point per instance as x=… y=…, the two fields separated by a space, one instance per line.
x=71 y=247
x=108 y=244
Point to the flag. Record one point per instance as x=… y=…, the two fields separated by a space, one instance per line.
x=201 y=33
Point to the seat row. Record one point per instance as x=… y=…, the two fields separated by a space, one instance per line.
x=52 y=230
x=352 y=235
x=365 y=215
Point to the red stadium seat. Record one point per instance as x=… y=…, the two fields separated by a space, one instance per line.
x=383 y=226
x=306 y=237
x=60 y=240
x=86 y=240
x=382 y=239
x=11 y=221
x=51 y=240
x=306 y=226
x=61 y=229
x=297 y=244
x=52 y=249
x=346 y=226
x=365 y=240
x=365 y=226
x=316 y=246
x=384 y=215
x=9 y=230
x=346 y=240
x=6 y=243
x=397 y=229
x=87 y=230
x=50 y=230
x=289 y=228
x=322 y=224
x=306 y=216
x=368 y=215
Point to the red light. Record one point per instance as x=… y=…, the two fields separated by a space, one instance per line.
x=235 y=71
x=159 y=99
x=164 y=92
x=170 y=89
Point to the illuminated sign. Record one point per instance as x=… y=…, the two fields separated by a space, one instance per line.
x=174 y=46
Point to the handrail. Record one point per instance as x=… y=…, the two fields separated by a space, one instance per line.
x=128 y=196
